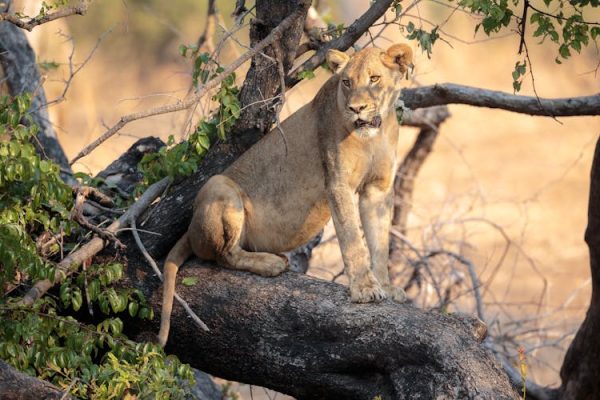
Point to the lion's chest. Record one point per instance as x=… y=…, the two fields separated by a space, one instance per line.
x=361 y=161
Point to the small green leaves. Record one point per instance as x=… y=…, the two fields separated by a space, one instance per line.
x=424 y=38
x=33 y=197
x=308 y=74
x=397 y=7
x=182 y=159
x=189 y=281
x=518 y=74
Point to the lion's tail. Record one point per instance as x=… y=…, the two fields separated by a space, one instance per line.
x=177 y=256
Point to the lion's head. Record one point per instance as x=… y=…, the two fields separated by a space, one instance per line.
x=368 y=84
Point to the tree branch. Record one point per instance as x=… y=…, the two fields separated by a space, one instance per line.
x=202 y=90
x=79 y=9
x=352 y=34
x=18 y=385
x=70 y=263
x=302 y=336
x=450 y=93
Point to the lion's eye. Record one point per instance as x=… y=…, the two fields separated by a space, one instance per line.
x=346 y=82
x=375 y=79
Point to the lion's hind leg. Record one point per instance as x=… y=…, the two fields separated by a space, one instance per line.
x=265 y=264
x=220 y=222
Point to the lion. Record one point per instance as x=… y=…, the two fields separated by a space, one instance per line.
x=284 y=189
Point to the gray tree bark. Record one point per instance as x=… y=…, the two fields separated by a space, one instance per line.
x=15 y=385
x=450 y=93
x=303 y=337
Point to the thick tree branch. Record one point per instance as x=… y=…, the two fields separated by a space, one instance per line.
x=20 y=386
x=303 y=337
x=450 y=93
x=343 y=43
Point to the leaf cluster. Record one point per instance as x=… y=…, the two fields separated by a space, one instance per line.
x=182 y=159
x=90 y=360
x=33 y=198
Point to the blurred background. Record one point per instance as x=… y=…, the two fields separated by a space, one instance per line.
x=508 y=190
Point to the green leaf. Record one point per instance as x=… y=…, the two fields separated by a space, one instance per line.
x=398 y=10
x=308 y=74
x=189 y=281
x=77 y=300
x=133 y=308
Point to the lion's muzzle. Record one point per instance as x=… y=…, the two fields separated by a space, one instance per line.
x=375 y=122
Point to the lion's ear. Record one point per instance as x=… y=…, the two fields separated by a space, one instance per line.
x=398 y=57
x=336 y=60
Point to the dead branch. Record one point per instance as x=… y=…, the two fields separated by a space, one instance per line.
x=32 y=22
x=450 y=93
x=77 y=216
x=429 y=120
x=202 y=90
x=70 y=263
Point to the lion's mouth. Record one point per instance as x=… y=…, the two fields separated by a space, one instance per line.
x=373 y=123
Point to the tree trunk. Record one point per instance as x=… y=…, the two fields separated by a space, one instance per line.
x=18 y=62
x=580 y=371
x=262 y=82
x=15 y=385
x=303 y=337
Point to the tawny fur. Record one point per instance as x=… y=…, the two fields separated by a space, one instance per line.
x=283 y=190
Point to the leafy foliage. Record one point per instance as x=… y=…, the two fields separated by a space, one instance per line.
x=518 y=74
x=182 y=159
x=424 y=38
x=562 y=22
x=90 y=360
x=33 y=198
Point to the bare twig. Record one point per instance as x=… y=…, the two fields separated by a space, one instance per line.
x=206 y=41
x=475 y=283
x=70 y=263
x=202 y=90
x=77 y=215
x=152 y=263
x=534 y=391
x=79 y=9
x=523 y=25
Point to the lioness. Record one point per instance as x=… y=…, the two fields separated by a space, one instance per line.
x=283 y=190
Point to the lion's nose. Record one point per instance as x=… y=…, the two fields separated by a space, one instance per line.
x=357 y=108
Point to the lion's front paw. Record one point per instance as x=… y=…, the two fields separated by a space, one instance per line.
x=395 y=293
x=366 y=290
